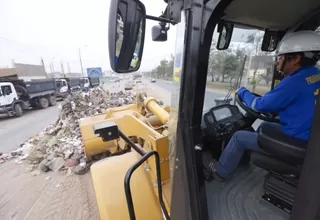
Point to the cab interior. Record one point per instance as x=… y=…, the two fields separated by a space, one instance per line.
x=265 y=184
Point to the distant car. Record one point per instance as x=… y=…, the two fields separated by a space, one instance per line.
x=138 y=81
x=153 y=80
x=128 y=86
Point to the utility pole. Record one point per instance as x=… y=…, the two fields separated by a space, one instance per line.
x=81 y=59
x=52 y=67
x=68 y=67
x=62 y=69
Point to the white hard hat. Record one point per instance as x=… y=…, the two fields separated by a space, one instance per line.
x=301 y=41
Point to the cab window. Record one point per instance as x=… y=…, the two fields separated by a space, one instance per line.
x=6 y=90
x=242 y=64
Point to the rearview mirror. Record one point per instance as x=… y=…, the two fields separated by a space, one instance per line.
x=271 y=40
x=225 y=33
x=127 y=20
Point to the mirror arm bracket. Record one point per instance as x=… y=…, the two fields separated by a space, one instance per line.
x=161 y=19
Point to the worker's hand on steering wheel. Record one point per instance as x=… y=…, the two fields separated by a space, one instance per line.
x=265 y=116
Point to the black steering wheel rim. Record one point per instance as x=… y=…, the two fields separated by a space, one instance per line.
x=265 y=116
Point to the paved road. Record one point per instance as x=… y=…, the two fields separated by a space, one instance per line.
x=14 y=131
x=210 y=94
x=208 y=100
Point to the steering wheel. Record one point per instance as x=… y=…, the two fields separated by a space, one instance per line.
x=265 y=116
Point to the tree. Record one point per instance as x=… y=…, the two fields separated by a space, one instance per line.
x=268 y=76
x=211 y=66
x=165 y=69
x=226 y=63
x=256 y=40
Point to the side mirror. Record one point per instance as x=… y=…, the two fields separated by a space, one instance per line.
x=159 y=33
x=127 y=21
x=225 y=31
x=271 y=40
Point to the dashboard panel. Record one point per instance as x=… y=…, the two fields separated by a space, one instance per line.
x=221 y=113
x=222 y=121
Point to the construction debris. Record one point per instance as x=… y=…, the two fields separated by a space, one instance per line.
x=59 y=146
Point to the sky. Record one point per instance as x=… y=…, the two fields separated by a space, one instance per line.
x=55 y=30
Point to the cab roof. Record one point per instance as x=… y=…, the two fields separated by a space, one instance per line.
x=271 y=14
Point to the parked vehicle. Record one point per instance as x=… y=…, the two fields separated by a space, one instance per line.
x=67 y=85
x=62 y=88
x=18 y=95
x=89 y=82
x=128 y=86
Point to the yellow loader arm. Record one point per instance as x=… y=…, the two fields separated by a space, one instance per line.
x=143 y=128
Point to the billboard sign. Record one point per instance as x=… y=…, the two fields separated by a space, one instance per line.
x=95 y=71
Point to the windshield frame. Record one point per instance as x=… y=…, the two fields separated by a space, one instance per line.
x=188 y=177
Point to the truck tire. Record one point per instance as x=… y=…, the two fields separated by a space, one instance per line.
x=21 y=91
x=43 y=103
x=17 y=110
x=52 y=100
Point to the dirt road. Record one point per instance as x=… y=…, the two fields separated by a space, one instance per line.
x=46 y=195
x=49 y=196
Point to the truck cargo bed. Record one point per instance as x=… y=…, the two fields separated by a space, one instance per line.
x=41 y=86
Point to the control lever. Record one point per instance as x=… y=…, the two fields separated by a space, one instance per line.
x=220 y=128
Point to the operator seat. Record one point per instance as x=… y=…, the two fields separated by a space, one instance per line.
x=283 y=157
x=282 y=154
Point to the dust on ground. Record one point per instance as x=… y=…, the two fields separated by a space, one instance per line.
x=25 y=196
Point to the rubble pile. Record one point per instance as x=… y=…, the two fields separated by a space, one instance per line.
x=59 y=146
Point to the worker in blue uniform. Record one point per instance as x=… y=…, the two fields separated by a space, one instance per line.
x=294 y=99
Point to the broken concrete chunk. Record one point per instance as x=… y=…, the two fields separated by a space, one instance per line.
x=56 y=164
x=51 y=155
x=44 y=165
x=14 y=153
x=60 y=143
x=80 y=170
x=35 y=156
x=77 y=156
x=68 y=153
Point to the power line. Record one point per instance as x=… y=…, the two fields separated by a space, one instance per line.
x=16 y=42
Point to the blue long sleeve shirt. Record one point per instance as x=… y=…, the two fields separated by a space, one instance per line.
x=294 y=99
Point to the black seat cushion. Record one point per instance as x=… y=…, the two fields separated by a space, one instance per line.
x=272 y=140
x=270 y=163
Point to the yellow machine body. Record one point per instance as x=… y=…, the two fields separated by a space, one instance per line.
x=108 y=181
x=94 y=145
x=150 y=132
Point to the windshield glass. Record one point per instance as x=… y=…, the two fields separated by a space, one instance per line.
x=242 y=64
x=59 y=84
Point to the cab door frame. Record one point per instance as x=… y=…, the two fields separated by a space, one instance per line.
x=188 y=193
x=189 y=200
